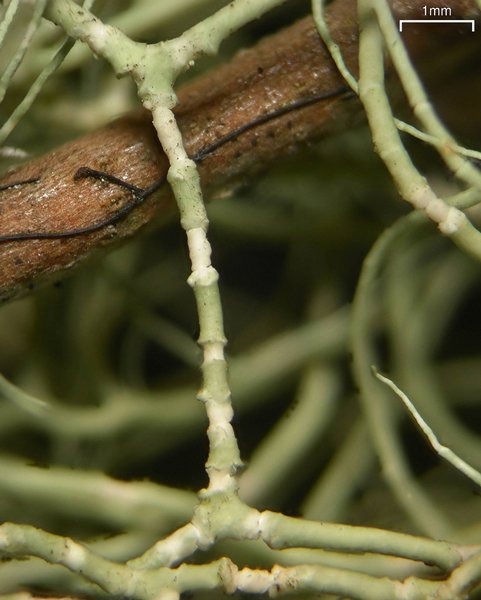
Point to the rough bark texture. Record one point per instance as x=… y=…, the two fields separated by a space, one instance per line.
x=282 y=68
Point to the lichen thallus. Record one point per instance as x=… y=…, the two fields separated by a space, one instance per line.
x=139 y=195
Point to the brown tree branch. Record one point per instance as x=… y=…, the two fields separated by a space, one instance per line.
x=278 y=71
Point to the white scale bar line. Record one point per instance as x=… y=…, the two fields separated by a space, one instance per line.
x=436 y=21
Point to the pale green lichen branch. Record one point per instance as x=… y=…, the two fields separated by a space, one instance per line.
x=104 y=40
x=215 y=517
x=336 y=54
x=27 y=540
x=206 y=36
x=280 y=531
x=84 y=495
x=150 y=584
x=222 y=574
x=7 y=18
x=420 y=508
x=443 y=451
x=25 y=104
x=155 y=68
x=12 y=66
x=376 y=406
x=418 y=99
x=134 y=20
x=420 y=298
x=323 y=29
x=115 y=578
x=224 y=457
x=26 y=402
x=168 y=59
x=412 y=186
x=155 y=78
x=328 y=580
x=437 y=142
x=169 y=551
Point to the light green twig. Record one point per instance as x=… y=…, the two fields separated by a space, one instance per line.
x=446 y=145
x=443 y=451
x=281 y=531
x=323 y=29
x=412 y=186
x=422 y=297
x=93 y=496
x=22 y=108
x=9 y=72
x=381 y=417
x=7 y=18
x=411 y=496
x=438 y=139
x=22 y=400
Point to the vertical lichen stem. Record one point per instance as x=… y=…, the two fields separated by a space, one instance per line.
x=215 y=393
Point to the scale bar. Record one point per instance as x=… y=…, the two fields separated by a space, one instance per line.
x=436 y=21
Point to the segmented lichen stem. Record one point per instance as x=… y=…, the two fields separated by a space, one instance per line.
x=155 y=69
x=224 y=455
